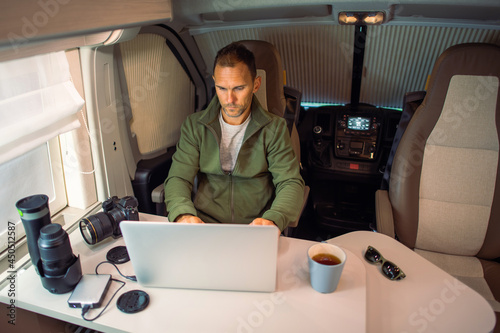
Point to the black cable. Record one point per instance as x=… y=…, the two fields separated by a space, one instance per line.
x=131 y=277
x=87 y=307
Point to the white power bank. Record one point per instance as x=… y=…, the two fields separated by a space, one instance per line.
x=90 y=291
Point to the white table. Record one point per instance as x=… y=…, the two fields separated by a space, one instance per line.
x=427 y=300
x=364 y=301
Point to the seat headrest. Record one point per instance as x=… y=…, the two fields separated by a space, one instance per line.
x=463 y=59
x=267 y=59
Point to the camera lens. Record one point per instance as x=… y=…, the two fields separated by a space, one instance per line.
x=55 y=250
x=35 y=214
x=95 y=228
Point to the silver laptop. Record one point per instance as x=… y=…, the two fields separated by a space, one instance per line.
x=203 y=256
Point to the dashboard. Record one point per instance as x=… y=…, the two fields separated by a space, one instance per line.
x=347 y=151
x=352 y=141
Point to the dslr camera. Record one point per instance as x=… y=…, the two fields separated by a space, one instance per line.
x=96 y=228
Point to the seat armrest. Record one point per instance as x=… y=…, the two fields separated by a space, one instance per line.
x=158 y=194
x=158 y=197
x=383 y=208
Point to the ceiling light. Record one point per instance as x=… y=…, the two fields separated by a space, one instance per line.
x=373 y=18
x=361 y=18
x=347 y=18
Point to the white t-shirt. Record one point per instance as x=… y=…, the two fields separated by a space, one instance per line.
x=231 y=140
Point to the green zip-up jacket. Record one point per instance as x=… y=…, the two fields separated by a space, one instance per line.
x=265 y=182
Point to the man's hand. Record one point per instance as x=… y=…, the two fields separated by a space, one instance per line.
x=261 y=221
x=188 y=218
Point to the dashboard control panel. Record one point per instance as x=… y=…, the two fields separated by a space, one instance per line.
x=356 y=136
x=353 y=141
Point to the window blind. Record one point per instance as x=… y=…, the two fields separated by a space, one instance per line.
x=38 y=101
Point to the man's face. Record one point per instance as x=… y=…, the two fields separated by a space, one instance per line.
x=235 y=89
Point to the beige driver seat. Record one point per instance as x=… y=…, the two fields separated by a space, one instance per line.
x=272 y=97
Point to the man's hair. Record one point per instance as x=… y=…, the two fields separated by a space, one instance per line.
x=234 y=53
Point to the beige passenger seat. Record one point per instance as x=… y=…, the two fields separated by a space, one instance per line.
x=444 y=189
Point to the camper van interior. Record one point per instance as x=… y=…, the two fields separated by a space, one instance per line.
x=393 y=111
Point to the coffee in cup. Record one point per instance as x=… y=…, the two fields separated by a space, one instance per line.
x=326 y=259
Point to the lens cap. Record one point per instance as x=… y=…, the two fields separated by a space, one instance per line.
x=32 y=204
x=118 y=255
x=133 y=301
x=51 y=231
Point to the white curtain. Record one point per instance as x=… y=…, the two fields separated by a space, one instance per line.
x=38 y=101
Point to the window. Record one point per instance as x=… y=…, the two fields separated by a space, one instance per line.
x=36 y=172
x=61 y=168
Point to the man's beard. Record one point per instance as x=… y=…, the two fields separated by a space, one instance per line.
x=241 y=109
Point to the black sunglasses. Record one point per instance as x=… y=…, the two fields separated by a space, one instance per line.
x=390 y=270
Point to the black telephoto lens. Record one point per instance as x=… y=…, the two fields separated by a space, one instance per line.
x=35 y=214
x=55 y=250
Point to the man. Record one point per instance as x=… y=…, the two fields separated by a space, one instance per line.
x=246 y=167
